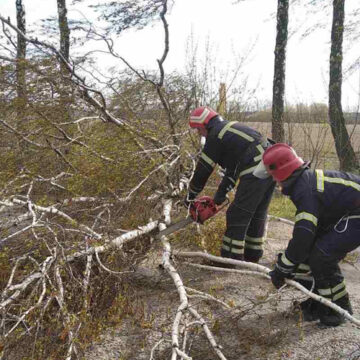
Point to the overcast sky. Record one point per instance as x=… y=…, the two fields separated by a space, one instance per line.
x=231 y=31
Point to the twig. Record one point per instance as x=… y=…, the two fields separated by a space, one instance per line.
x=249 y=265
x=208 y=333
x=184 y=304
x=107 y=269
x=181 y=291
x=206 y=296
x=154 y=348
x=118 y=242
x=54 y=210
x=219 y=269
x=266 y=270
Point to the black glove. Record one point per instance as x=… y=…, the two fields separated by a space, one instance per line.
x=219 y=198
x=281 y=272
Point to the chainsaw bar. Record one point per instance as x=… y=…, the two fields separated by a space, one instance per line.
x=203 y=208
x=175 y=227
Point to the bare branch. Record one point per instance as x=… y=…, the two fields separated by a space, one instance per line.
x=166 y=48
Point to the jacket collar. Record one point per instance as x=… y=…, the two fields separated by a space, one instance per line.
x=288 y=184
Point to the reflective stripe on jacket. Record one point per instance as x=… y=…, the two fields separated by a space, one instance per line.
x=234 y=146
x=321 y=199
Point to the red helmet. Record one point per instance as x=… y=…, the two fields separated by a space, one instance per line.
x=201 y=116
x=281 y=161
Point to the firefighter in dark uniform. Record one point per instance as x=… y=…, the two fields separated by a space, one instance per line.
x=327 y=227
x=238 y=149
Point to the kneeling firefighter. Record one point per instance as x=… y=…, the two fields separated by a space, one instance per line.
x=327 y=227
x=238 y=149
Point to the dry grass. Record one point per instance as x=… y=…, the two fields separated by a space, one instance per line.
x=313 y=141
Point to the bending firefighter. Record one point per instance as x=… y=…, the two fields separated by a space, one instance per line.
x=238 y=149
x=327 y=227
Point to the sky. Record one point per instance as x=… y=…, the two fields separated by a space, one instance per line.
x=232 y=30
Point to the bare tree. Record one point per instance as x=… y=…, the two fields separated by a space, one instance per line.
x=46 y=139
x=64 y=29
x=65 y=52
x=20 y=55
x=343 y=146
x=278 y=132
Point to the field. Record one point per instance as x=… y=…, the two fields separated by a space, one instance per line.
x=313 y=141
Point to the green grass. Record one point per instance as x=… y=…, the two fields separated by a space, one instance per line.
x=282 y=206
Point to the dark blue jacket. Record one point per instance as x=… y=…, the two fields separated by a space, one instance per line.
x=321 y=198
x=235 y=147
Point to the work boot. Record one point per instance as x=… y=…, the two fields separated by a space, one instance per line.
x=330 y=317
x=229 y=255
x=252 y=255
x=344 y=302
x=309 y=309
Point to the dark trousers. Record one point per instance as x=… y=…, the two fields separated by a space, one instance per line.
x=331 y=247
x=246 y=219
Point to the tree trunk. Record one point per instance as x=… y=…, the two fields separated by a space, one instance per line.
x=65 y=94
x=20 y=57
x=64 y=29
x=343 y=146
x=278 y=132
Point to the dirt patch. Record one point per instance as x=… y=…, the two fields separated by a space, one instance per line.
x=260 y=323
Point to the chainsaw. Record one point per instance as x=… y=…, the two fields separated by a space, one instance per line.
x=200 y=210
